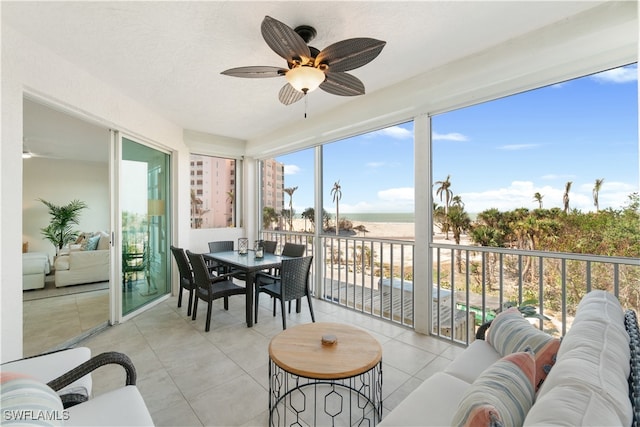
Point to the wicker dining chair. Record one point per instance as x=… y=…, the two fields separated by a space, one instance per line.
x=293 y=285
x=186 y=276
x=265 y=277
x=219 y=246
x=269 y=246
x=210 y=288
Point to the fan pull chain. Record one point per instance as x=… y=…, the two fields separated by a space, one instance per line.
x=306 y=103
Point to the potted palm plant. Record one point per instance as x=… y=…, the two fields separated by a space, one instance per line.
x=60 y=230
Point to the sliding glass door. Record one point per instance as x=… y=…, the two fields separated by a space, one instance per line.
x=145 y=229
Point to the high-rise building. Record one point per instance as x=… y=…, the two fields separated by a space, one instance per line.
x=273 y=185
x=213 y=186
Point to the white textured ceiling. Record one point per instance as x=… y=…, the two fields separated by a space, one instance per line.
x=169 y=55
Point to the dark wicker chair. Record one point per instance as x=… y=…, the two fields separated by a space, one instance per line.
x=210 y=288
x=186 y=276
x=270 y=246
x=219 y=246
x=266 y=277
x=292 y=285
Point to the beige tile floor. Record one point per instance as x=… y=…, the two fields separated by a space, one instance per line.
x=189 y=377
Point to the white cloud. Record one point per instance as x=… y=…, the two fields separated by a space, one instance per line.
x=390 y=200
x=395 y=132
x=552 y=176
x=452 y=136
x=618 y=75
x=517 y=147
x=520 y=194
x=291 y=170
x=397 y=194
x=375 y=164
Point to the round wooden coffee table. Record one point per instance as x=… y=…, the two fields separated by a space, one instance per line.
x=310 y=380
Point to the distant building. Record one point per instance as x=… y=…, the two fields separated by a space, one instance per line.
x=273 y=185
x=212 y=181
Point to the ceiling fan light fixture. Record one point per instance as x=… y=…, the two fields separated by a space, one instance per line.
x=305 y=78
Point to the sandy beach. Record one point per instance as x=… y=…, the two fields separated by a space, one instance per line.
x=389 y=230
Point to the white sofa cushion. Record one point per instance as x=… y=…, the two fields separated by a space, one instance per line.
x=592 y=368
x=432 y=403
x=572 y=405
x=470 y=363
x=120 y=407
x=501 y=396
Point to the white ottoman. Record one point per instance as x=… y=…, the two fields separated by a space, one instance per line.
x=35 y=265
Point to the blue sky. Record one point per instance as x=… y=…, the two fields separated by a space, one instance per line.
x=498 y=154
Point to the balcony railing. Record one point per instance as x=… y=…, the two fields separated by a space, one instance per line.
x=375 y=276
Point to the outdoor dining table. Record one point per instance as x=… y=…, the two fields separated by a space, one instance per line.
x=248 y=264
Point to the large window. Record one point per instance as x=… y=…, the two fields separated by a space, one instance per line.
x=368 y=183
x=213 y=192
x=528 y=166
x=287 y=191
x=368 y=180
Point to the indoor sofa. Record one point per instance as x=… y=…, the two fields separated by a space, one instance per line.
x=35 y=266
x=589 y=378
x=84 y=264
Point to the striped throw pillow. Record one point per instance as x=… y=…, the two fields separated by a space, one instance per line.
x=512 y=333
x=501 y=395
x=27 y=401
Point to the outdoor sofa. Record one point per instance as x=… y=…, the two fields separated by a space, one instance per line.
x=520 y=375
x=56 y=389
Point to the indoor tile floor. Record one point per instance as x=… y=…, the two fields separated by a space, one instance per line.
x=189 y=377
x=50 y=322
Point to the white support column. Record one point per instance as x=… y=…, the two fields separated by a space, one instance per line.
x=318 y=258
x=250 y=198
x=423 y=262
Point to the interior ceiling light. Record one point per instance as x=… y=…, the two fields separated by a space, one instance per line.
x=308 y=67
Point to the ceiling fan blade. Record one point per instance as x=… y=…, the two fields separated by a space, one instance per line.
x=284 y=41
x=349 y=54
x=288 y=95
x=342 y=84
x=255 y=72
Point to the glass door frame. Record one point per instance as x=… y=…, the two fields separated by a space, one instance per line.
x=116 y=168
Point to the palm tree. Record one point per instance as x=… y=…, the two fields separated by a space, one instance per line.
x=459 y=223
x=230 y=199
x=565 y=197
x=444 y=190
x=290 y=192
x=269 y=216
x=538 y=198
x=457 y=201
x=337 y=195
x=596 y=189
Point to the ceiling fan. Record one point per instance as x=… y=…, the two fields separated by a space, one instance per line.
x=308 y=67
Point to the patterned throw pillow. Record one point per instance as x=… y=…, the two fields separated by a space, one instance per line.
x=512 y=333
x=26 y=401
x=501 y=395
x=93 y=242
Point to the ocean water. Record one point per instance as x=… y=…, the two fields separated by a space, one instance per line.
x=378 y=217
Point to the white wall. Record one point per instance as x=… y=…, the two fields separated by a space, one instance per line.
x=59 y=182
x=31 y=69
